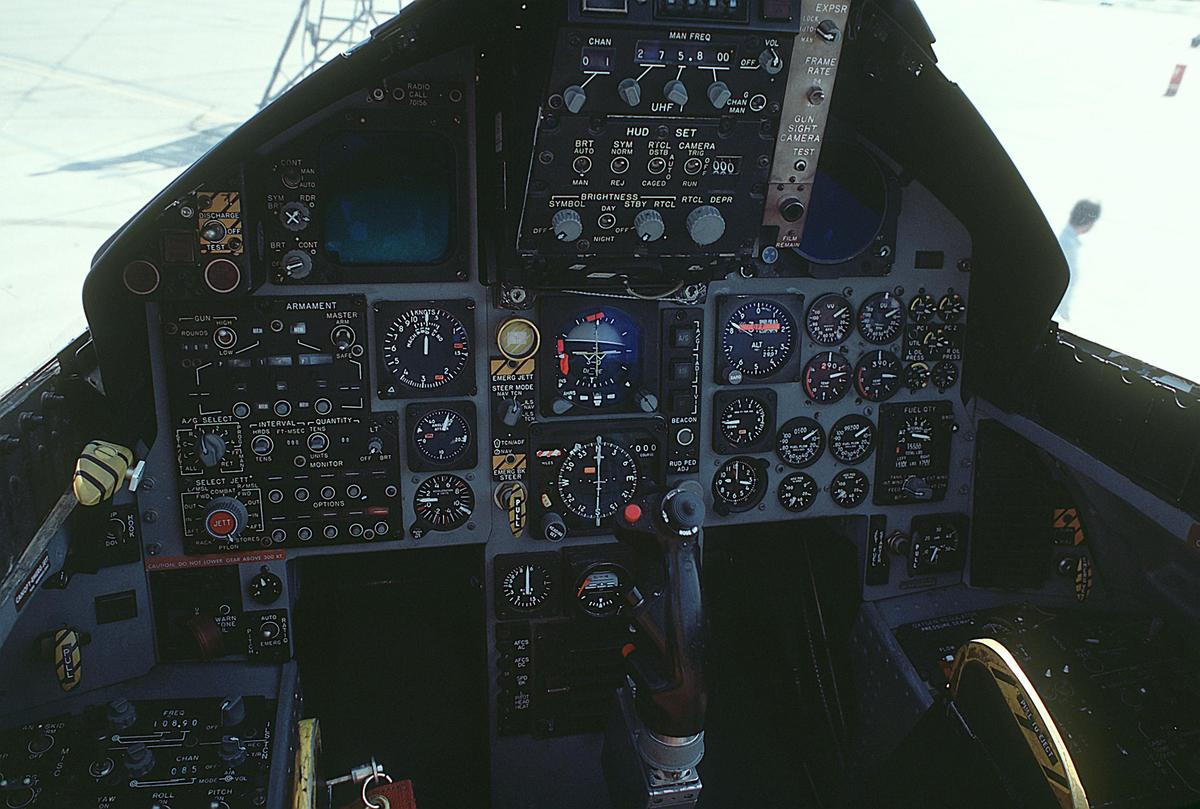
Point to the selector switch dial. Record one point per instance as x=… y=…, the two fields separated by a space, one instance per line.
x=567 y=225
x=574 y=97
x=719 y=94
x=649 y=225
x=630 y=92
x=676 y=92
x=705 y=225
x=225 y=518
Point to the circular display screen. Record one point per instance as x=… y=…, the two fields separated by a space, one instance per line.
x=849 y=201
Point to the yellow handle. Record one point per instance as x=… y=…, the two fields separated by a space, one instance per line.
x=100 y=471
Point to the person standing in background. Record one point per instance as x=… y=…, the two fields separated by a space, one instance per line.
x=1083 y=218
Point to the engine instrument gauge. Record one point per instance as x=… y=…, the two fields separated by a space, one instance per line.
x=596 y=479
x=425 y=348
x=881 y=318
x=830 y=320
x=599 y=591
x=852 y=439
x=444 y=502
x=739 y=484
x=938 y=341
x=743 y=421
x=878 y=376
x=800 y=442
x=849 y=488
x=442 y=436
x=952 y=307
x=936 y=547
x=797 y=492
x=827 y=377
x=922 y=308
x=915 y=443
x=944 y=375
x=526 y=586
x=596 y=358
x=758 y=338
x=916 y=376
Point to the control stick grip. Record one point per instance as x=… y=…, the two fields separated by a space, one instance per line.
x=669 y=668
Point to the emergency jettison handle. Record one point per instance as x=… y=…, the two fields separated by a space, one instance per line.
x=668 y=665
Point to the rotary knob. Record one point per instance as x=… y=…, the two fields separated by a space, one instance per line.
x=554 y=528
x=210 y=450
x=225 y=518
x=574 y=97
x=719 y=94
x=630 y=92
x=121 y=714
x=771 y=61
x=676 y=92
x=233 y=711
x=567 y=225
x=649 y=225
x=232 y=752
x=139 y=760
x=705 y=225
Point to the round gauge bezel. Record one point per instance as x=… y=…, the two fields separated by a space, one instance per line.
x=756 y=491
x=579 y=454
x=954 y=301
x=795 y=425
x=811 y=492
x=835 y=391
x=852 y=421
x=761 y=410
x=622 y=586
x=916 y=368
x=545 y=582
x=864 y=367
x=922 y=308
x=617 y=374
x=850 y=474
x=777 y=359
x=462 y=492
x=941 y=368
x=459 y=419
x=869 y=306
x=841 y=330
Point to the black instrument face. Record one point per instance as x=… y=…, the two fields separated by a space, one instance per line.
x=935 y=547
x=916 y=376
x=852 y=439
x=596 y=479
x=952 y=307
x=922 y=308
x=849 y=488
x=797 y=492
x=526 y=586
x=600 y=590
x=878 y=376
x=596 y=358
x=758 y=338
x=442 y=436
x=881 y=318
x=424 y=349
x=739 y=484
x=827 y=377
x=743 y=421
x=830 y=320
x=800 y=442
x=944 y=375
x=444 y=502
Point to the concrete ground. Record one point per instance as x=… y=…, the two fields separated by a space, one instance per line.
x=103 y=103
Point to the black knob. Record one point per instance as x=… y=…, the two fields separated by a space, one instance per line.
x=52 y=399
x=121 y=714
x=791 y=209
x=9 y=443
x=232 y=751
x=684 y=509
x=553 y=526
x=210 y=449
x=31 y=421
x=233 y=711
x=266 y=587
x=139 y=760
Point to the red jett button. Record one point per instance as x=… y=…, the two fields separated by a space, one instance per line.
x=221 y=523
x=633 y=513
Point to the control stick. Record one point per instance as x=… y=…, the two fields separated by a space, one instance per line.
x=655 y=735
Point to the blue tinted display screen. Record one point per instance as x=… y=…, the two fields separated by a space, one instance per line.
x=388 y=198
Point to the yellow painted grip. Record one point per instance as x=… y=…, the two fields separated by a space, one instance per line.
x=100 y=471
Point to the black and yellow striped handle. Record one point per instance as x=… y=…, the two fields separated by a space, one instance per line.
x=100 y=471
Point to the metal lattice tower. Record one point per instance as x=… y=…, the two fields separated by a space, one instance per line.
x=321 y=30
